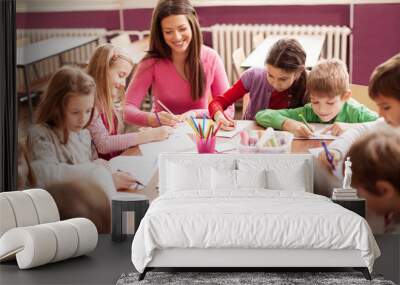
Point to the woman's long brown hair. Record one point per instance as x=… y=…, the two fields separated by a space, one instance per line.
x=159 y=49
x=289 y=55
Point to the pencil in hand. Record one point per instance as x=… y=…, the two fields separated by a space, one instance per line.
x=329 y=156
x=305 y=122
x=168 y=110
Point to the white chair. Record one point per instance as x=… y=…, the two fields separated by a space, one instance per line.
x=31 y=231
x=121 y=40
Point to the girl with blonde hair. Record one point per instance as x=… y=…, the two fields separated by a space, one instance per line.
x=110 y=67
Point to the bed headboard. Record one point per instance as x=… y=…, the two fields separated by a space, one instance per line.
x=284 y=170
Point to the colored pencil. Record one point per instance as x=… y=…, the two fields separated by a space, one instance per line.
x=328 y=155
x=190 y=124
x=194 y=123
x=204 y=123
x=217 y=129
x=305 y=122
x=168 y=110
x=209 y=125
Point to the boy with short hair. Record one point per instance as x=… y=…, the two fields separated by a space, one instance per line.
x=384 y=89
x=330 y=103
x=376 y=173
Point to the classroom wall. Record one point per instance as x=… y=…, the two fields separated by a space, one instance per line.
x=376 y=35
x=75 y=19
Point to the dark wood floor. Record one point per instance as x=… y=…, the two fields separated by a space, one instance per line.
x=110 y=259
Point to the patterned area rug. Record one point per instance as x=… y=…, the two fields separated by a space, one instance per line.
x=270 y=278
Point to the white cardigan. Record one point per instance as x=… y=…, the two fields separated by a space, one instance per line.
x=343 y=143
x=53 y=162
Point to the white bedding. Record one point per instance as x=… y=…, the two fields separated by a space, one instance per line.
x=250 y=219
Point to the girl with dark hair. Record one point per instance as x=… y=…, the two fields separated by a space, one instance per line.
x=280 y=85
x=181 y=72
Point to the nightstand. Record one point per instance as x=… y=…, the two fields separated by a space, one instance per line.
x=123 y=203
x=356 y=205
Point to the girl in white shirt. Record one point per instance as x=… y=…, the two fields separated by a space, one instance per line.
x=60 y=145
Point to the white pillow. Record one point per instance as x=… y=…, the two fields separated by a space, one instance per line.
x=289 y=180
x=251 y=178
x=182 y=177
x=193 y=173
x=223 y=179
x=282 y=172
x=231 y=180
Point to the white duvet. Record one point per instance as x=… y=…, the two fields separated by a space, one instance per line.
x=250 y=219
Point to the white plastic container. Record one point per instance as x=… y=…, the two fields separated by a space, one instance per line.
x=284 y=138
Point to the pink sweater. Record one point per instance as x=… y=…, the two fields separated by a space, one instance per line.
x=107 y=145
x=171 y=89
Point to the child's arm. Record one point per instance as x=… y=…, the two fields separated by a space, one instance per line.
x=220 y=103
x=106 y=143
x=287 y=120
x=137 y=90
x=343 y=143
x=220 y=85
x=276 y=118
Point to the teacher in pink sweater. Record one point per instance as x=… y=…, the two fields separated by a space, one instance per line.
x=183 y=74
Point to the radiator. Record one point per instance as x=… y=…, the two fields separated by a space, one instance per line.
x=228 y=37
x=49 y=66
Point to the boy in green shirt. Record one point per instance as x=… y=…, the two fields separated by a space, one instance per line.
x=330 y=103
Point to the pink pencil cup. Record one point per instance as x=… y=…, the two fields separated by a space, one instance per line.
x=205 y=145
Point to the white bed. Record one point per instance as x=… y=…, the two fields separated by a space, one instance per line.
x=247 y=211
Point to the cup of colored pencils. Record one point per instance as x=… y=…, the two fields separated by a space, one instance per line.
x=206 y=134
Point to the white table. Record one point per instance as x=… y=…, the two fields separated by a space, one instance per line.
x=311 y=44
x=44 y=49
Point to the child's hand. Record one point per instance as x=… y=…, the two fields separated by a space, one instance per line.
x=336 y=129
x=302 y=131
x=297 y=128
x=186 y=115
x=226 y=123
x=324 y=161
x=123 y=180
x=158 y=134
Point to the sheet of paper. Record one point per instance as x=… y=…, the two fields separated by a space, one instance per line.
x=318 y=133
x=142 y=168
x=175 y=143
x=225 y=146
x=183 y=129
x=240 y=125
